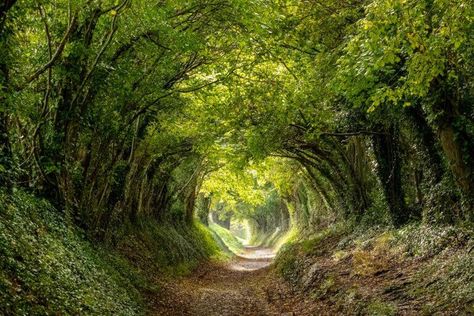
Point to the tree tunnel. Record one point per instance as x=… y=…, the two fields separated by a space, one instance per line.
x=177 y=132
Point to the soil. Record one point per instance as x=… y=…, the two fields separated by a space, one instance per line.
x=238 y=287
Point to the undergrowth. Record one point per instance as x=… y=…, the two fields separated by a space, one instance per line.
x=272 y=239
x=49 y=268
x=229 y=240
x=384 y=271
x=170 y=250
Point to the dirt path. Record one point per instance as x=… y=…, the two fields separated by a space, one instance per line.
x=234 y=288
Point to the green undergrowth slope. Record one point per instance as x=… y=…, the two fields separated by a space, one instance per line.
x=229 y=240
x=48 y=267
x=416 y=269
x=273 y=239
x=169 y=250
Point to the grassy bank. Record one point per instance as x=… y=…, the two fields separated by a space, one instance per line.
x=168 y=250
x=48 y=267
x=229 y=240
x=416 y=269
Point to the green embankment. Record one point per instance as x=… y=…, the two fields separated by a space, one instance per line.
x=48 y=267
x=273 y=239
x=382 y=271
x=167 y=249
x=229 y=240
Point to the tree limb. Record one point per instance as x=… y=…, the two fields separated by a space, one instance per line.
x=56 y=54
x=352 y=133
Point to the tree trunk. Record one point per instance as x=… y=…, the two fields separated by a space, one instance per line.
x=5 y=145
x=449 y=119
x=190 y=201
x=453 y=151
x=203 y=211
x=427 y=137
x=387 y=153
x=284 y=217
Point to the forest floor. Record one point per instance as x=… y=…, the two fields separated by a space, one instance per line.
x=237 y=287
x=378 y=277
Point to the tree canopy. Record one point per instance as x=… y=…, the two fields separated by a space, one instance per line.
x=115 y=110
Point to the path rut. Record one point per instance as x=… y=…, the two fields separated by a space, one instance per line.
x=234 y=288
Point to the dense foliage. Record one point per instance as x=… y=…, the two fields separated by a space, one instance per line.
x=119 y=110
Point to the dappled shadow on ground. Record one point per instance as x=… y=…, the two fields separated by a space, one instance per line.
x=251 y=259
x=233 y=288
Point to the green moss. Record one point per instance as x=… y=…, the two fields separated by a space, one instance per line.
x=287 y=262
x=441 y=278
x=447 y=282
x=326 y=286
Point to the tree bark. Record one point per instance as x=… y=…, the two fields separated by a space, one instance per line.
x=387 y=153
x=427 y=137
x=453 y=152
x=203 y=211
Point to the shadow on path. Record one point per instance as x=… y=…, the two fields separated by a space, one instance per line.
x=252 y=258
x=224 y=289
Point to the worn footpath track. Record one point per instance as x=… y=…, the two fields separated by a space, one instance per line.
x=234 y=288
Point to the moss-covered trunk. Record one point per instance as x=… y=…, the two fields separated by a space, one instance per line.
x=387 y=154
